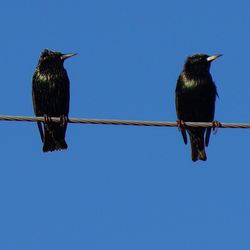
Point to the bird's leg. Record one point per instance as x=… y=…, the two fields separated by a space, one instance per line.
x=47 y=119
x=216 y=126
x=180 y=124
x=63 y=120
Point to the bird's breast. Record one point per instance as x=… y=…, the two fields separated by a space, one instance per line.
x=43 y=77
x=49 y=80
x=189 y=84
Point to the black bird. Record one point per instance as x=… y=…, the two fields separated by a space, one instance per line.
x=195 y=96
x=50 y=95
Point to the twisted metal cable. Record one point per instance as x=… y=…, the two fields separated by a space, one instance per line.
x=124 y=122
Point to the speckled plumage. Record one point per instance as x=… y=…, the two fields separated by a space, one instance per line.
x=195 y=96
x=50 y=95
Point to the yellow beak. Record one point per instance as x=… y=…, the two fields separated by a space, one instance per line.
x=211 y=58
x=65 y=56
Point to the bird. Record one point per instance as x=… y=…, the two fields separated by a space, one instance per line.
x=195 y=96
x=51 y=96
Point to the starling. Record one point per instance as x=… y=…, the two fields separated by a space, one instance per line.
x=50 y=95
x=195 y=96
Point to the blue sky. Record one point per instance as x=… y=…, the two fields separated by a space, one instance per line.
x=124 y=187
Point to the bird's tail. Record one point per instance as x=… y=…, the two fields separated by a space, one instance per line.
x=197 y=148
x=54 y=138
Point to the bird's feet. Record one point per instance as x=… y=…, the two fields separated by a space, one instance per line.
x=216 y=126
x=63 y=120
x=47 y=119
x=180 y=124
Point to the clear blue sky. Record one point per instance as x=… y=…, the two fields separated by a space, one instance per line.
x=120 y=187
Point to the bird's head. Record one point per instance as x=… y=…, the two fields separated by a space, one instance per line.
x=49 y=57
x=199 y=63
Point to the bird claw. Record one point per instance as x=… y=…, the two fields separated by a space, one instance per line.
x=216 y=125
x=63 y=120
x=180 y=124
x=47 y=119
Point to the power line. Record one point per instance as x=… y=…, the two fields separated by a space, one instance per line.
x=123 y=122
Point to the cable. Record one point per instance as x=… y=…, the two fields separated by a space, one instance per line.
x=123 y=122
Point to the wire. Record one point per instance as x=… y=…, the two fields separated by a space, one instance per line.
x=123 y=122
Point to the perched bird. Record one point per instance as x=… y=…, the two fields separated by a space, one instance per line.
x=50 y=95
x=195 y=96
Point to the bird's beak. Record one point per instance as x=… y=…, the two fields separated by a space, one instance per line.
x=65 y=56
x=211 y=58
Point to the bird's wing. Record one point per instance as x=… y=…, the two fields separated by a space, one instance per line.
x=208 y=132
x=210 y=109
x=39 y=124
x=178 y=106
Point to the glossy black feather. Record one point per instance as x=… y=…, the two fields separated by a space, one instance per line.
x=195 y=101
x=50 y=95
